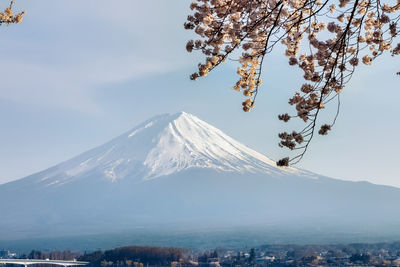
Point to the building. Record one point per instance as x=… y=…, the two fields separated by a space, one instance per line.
x=6 y=254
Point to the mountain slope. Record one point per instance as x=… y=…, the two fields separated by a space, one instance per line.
x=161 y=146
x=178 y=171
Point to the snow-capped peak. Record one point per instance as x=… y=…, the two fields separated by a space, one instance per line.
x=161 y=146
x=189 y=142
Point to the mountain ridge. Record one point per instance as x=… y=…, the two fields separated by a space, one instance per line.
x=178 y=170
x=161 y=146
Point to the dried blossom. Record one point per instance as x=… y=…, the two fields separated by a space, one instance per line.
x=284 y=117
x=283 y=162
x=324 y=129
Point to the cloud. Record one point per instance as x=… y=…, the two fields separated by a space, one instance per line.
x=70 y=87
x=52 y=60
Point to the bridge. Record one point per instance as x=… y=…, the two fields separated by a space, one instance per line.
x=27 y=262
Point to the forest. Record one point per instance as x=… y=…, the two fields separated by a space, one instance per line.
x=134 y=255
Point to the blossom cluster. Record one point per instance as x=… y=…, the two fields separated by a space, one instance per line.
x=8 y=16
x=326 y=39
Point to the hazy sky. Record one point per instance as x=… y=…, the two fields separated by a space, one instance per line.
x=75 y=74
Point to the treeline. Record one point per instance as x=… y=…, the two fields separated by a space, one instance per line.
x=134 y=256
x=54 y=255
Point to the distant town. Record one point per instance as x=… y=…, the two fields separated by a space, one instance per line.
x=6 y=254
x=379 y=254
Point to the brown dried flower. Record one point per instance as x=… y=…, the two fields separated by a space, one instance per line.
x=283 y=162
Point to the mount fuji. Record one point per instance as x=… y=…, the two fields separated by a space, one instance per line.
x=179 y=171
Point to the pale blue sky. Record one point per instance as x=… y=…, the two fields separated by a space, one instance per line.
x=77 y=73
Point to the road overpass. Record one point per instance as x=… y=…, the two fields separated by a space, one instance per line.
x=27 y=262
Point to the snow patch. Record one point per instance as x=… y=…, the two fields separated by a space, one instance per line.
x=141 y=129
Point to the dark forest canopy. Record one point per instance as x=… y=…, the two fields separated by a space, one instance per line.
x=146 y=255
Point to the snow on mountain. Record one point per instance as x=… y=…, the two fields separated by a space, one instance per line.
x=175 y=170
x=161 y=146
x=188 y=142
